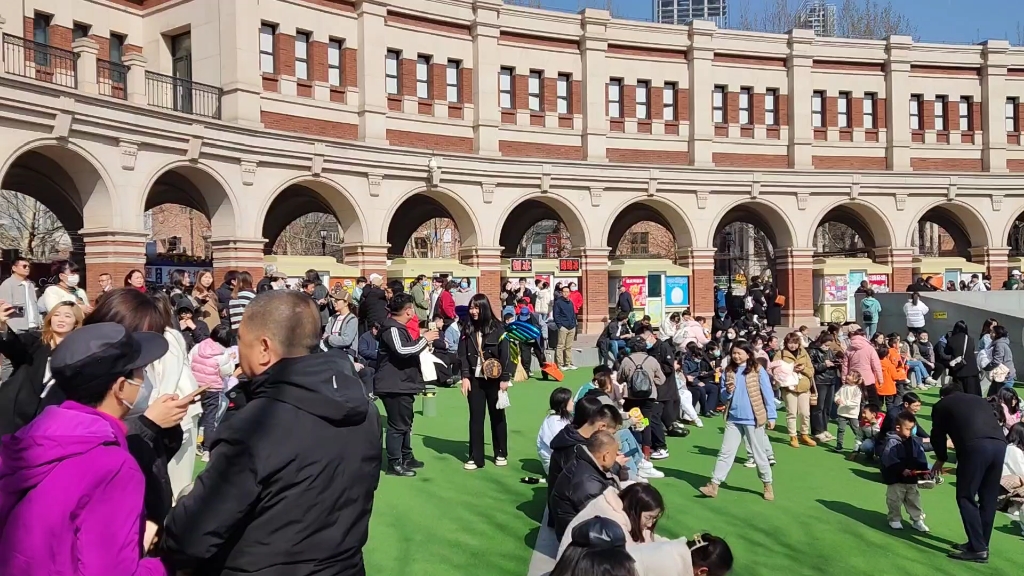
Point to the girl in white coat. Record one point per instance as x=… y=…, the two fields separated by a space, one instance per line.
x=705 y=555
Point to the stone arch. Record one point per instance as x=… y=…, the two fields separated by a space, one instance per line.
x=1014 y=238
x=765 y=215
x=870 y=224
x=303 y=195
x=65 y=178
x=420 y=205
x=657 y=210
x=528 y=210
x=197 y=186
x=964 y=224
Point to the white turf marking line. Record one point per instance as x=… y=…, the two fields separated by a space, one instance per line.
x=544 y=551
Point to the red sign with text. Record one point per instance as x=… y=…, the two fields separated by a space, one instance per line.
x=522 y=265
x=568 y=264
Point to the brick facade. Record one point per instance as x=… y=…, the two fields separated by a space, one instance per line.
x=631 y=156
x=309 y=126
x=849 y=162
x=439 y=142
x=945 y=165
x=729 y=160
x=536 y=150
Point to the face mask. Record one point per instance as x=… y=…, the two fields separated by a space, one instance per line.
x=650 y=345
x=463 y=285
x=721 y=314
x=72 y=280
x=716 y=353
x=910 y=338
x=127 y=404
x=424 y=283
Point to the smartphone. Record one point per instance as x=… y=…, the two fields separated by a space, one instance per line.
x=17 y=311
x=193 y=397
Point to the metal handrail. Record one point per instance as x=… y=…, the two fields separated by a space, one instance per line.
x=183 y=95
x=112 y=79
x=29 y=59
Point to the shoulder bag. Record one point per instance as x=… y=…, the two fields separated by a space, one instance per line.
x=489 y=368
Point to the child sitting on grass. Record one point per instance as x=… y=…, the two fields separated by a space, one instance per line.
x=848 y=400
x=871 y=417
x=559 y=415
x=902 y=458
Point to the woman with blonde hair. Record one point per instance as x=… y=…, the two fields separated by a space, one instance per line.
x=29 y=388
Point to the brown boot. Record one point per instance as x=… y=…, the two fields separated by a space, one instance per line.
x=794 y=442
x=711 y=490
x=769 y=493
x=807 y=440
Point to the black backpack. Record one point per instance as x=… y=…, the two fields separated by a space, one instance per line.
x=640 y=385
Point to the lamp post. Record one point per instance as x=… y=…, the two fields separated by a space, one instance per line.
x=728 y=254
x=323 y=242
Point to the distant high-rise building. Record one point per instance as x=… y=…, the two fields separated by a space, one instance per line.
x=819 y=16
x=683 y=11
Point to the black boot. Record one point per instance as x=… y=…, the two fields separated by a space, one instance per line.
x=413 y=464
x=400 y=470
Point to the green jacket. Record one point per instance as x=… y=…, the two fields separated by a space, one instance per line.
x=422 y=303
x=870 y=305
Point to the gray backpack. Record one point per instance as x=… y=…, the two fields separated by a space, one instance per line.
x=640 y=385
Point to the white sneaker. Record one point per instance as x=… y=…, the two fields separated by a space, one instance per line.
x=469 y=466
x=920 y=526
x=659 y=454
x=771 y=461
x=205 y=457
x=499 y=461
x=750 y=463
x=651 y=472
x=931 y=381
x=856 y=446
x=896 y=525
x=698 y=423
x=571 y=367
x=778 y=403
x=645 y=465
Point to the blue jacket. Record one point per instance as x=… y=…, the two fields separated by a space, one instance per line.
x=740 y=409
x=565 y=313
x=367 y=348
x=899 y=455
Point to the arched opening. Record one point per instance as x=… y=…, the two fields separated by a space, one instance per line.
x=431 y=223
x=746 y=239
x=1015 y=237
x=540 y=228
x=851 y=230
x=310 y=218
x=648 y=229
x=948 y=230
x=47 y=193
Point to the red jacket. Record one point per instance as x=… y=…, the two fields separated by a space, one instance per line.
x=577 y=300
x=446 y=305
x=413 y=325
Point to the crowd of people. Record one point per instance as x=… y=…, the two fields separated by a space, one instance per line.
x=106 y=403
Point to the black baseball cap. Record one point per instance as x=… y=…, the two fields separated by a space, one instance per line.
x=97 y=354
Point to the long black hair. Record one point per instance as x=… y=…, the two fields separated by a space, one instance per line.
x=176 y=279
x=960 y=327
x=1016 y=435
x=710 y=552
x=636 y=499
x=559 y=403
x=986 y=327
x=485 y=321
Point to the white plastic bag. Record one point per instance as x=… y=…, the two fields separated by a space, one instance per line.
x=503 y=401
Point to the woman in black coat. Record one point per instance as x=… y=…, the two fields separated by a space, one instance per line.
x=773 y=312
x=963 y=364
x=756 y=294
x=483 y=338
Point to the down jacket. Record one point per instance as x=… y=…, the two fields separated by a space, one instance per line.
x=862 y=357
x=572 y=492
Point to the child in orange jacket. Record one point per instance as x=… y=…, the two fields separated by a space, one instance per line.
x=888 y=387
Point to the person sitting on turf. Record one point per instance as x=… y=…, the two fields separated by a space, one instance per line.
x=705 y=555
x=599 y=544
x=871 y=418
x=911 y=403
x=636 y=508
x=559 y=416
x=591 y=416
x=588 y=386
x=594 y=472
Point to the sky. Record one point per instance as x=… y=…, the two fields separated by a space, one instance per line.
x=960 y=21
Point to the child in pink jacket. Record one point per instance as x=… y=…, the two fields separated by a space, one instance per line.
x=862 y=357
x=212 y=364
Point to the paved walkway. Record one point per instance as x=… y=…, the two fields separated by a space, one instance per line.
x=544 y=551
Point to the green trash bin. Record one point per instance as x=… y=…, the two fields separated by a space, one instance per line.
x=430 y=401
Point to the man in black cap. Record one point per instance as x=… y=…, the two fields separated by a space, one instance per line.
x=968 y=420
x=289 y=488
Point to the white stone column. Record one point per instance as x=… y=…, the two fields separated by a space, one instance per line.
x=801 y=89
x=85 y=68
x=897 y=102
x=593 y=48
x=373 y=103
x=2 y=23
x=239 y=25
x=993 y=105
x=701 y=85
x=486 y=64
x=136 y=82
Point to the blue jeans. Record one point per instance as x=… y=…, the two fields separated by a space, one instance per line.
x=615 y=347
x=917 y=367
x=631 y=449
x=870 y=329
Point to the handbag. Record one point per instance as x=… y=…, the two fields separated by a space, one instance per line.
x=490 y=368
x=959 y=359
x=780 y=300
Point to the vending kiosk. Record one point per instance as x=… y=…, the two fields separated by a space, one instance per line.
x=330 y=270
x=658 y=286
x=836 y=281
x=945 y=269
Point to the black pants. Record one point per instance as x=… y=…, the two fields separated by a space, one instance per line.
x=531 y=347
x=979 y=466
x=821 y=412
x=705 y=398
x=969 y=384
x=483 y=400
x=398 y=439
x=208 y=420
x=652 y=436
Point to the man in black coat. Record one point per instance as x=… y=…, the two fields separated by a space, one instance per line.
x=968 y=420
x=289 y=488
x=225 y=290
x=625 y=302
x=668 y=401
x=373 y=304
x=591 y=476
x=720 y=323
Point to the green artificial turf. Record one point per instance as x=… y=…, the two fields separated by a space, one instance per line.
x=828 y=516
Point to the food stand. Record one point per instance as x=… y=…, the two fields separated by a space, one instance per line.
x=407 y=269
x=944 y=269
x=658 y=285
x=836 y=281
x=330 y=270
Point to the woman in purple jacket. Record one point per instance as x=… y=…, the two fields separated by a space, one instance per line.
x=70 y=493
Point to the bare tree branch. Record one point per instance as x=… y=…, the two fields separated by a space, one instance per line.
x=855 y=18
x=27 y=225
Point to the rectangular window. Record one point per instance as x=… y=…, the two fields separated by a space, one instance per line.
x=564 y=89
x=452 y=80
x=41 y=28
x=940 y=114
x=79 y=31
x=1012 y=122
x=965 y=114
x=615 y=98
x=267 y=32
x=718 y=105
x=643 y=91
x=818 y=110
x=302 y=55
x=534 y=89
x=668 y=99
x=843 y=105
x=505 y=99
x=334 y=61
x=771 y=103
x=916 y=104
x=745 y=117
x=869 y=111
x=391 y=74
x=117 y=42
x=423 y=76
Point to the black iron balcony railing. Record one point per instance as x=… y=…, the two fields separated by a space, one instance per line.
x=112 y=79
x=183 y=95
x=40 y=61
